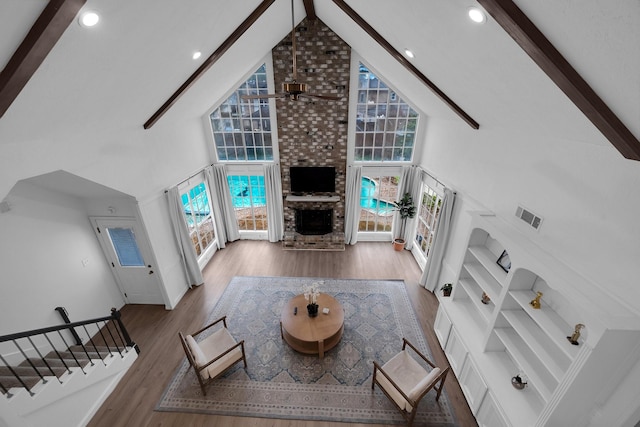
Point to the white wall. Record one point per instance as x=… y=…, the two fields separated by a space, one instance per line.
x=587 y=195
x=45 y=238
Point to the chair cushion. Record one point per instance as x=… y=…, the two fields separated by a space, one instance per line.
x=425 y=383
x=410 y=377
x=196 y=352
x=216 y=344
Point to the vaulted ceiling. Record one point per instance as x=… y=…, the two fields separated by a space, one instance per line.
x=121 y=72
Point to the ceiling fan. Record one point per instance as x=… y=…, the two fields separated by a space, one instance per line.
x=294 y=89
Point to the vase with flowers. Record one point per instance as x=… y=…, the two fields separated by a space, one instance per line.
x=311 y=294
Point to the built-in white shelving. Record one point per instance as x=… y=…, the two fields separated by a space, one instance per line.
x=489 y=342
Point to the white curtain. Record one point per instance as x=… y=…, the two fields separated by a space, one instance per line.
x=352 y=204
x=218 y=218
x=275 y=208
x=410 y=183
x=183 y=240
x=432 y=269
x=414 y=187
x=222 y=198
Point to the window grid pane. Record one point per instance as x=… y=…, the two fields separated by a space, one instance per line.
x=376 y=200
x=249 y=201
x=197 y=212
x=428 y=215
x=242 y=127
x=384 y=121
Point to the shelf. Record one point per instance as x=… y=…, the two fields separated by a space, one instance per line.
x=551 y=357
x=524 y=405
x=549 y=321
x=485 y=280
x=488 y=261
x=539 y=377
x=332 y=199
x=474 y=294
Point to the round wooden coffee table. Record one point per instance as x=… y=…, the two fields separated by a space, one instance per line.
x=312 y=335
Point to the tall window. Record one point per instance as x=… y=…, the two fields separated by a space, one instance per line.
x=428 y=215
x=377 y=195
x=197 y=211
x=249 y=201
x=385 y=124
x=242 y=128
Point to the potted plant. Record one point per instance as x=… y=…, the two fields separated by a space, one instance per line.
x=446 y=289
x=406 y=209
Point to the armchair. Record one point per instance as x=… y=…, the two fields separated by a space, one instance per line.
x=405 y=381
x=212 y=356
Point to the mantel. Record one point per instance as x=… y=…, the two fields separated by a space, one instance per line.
x=292 y=198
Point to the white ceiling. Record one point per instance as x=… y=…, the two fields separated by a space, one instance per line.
x=112 y=78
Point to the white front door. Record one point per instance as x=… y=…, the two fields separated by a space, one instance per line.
x=128 y=255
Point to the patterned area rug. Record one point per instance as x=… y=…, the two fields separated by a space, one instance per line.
x=281 y=383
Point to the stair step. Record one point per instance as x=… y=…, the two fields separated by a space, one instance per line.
x=29 y=371
x=11 y=381
x=58 y=363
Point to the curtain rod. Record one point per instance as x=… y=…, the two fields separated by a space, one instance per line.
x=432 y=177
x=190 y=176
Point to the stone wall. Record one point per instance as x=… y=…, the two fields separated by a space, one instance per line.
x=313 y=132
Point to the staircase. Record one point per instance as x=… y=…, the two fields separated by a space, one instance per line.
x=47 y=381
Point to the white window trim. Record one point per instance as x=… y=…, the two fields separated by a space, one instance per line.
x=356 y=59
x=369 y=169
x=212 y=247
x=254 y=168
x=213 y=155
x=438 y=188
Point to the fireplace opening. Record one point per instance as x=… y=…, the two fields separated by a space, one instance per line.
x=314 y=222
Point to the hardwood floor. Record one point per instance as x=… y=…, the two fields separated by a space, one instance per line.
x=155 y=329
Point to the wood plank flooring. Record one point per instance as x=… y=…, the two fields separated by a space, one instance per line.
x=155 y=329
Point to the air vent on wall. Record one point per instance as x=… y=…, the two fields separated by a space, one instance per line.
x=529 y=217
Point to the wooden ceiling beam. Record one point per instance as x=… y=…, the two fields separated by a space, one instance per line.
x=310 y=10
x=404 y=62
x=551 y=61
x=44 y=34
x=208 y=63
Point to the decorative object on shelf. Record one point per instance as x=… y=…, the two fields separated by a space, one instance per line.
x=504 y=261
x=406 y=209
x=518 y=382
x=535 y=303
x=311 y=294
x=485 y=298
x=573 y=339
x=446 y=289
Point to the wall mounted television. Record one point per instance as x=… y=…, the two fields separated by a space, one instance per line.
x=312 y=179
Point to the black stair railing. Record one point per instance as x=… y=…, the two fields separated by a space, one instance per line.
x=93 y=339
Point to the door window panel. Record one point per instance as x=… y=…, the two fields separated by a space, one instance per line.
x=125 y=246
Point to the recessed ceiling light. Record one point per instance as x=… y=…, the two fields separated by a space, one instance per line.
x=196 y=55
x=89 y=19
x=408 y=53
x=477 y=15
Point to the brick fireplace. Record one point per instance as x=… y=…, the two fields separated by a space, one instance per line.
x=314 y=133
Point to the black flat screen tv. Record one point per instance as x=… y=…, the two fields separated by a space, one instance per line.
x=312 y=179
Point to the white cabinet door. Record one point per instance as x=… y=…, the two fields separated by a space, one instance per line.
x=456 y=351
x=489 y=414
x=472 y=384
x=442 y=327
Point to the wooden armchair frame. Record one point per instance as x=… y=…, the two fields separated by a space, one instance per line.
x=200 y=368
x=437 y=383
